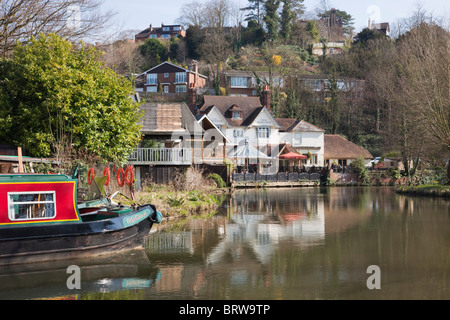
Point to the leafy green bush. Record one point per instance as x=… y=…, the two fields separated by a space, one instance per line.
x=218 y=180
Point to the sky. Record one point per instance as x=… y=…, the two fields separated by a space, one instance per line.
x=139 y=14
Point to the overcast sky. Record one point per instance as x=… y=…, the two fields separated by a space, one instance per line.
x=139 y=14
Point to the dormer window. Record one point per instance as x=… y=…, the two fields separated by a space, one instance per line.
x=236 y=115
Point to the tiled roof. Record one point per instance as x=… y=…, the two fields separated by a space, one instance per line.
x=250 y=107
x=162 y=117
x=337 y=147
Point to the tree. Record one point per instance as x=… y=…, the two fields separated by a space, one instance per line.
x=55 y=96
x=363 y=37
x=287 y=16
x=271 y=18
x=154 y=52
x=194 y=40
x=256 y=8
x=20 y=20
x=346 y=19
x=123 y=57
x=291 y=8
x=423 y=78
x=192 y=14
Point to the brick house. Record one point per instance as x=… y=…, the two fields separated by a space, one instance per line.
x=163 y=32
x=168 y=78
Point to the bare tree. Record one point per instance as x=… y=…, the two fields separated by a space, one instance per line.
x=192 y=14
x=74 y=19
x=123 y=56
x=218 y=13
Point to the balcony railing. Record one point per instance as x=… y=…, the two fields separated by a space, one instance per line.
x=161 y=156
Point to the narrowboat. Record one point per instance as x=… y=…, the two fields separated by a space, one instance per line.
x=41 y=219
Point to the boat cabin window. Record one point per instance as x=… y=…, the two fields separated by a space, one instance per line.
x=31 y=206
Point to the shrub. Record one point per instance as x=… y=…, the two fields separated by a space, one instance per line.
x=218 y=180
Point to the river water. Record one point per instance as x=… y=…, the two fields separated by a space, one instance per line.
x=290 y=244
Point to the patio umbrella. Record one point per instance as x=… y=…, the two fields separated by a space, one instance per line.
x=248 y=152
x=292 y=156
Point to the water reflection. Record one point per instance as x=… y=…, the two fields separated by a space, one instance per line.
x=309 y=243
x=111 y=276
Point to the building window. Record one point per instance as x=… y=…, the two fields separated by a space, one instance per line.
x=152 y=78
x=236 y=115
x=153 y=36
x=166 y=89
x=297 y=139
x=180 y=89
x=152 y=89
x=180 y=77
x=177 y=28
x=31 y=206
x=165 y=29
x=237 y=133
x=166 y=75
x=263 y=132
x=314 y=85
x=166 y=36
x=239 y=82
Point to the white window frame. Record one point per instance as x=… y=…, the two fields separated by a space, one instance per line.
x=12 y=203
x=297 y=139
x=180 y=77
x=152 y=78
x=166 y=89
x=238 y=133
x=263 y=132
x=165 y=29
x=166 y=36
x=314 y=85
x=236 y=115
x=239 y=82
x=152 y=89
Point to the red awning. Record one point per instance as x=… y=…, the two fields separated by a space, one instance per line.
x=293 y=155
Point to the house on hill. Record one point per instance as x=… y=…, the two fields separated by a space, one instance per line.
x=170 y=79
x=163 y=32
x=341 y=152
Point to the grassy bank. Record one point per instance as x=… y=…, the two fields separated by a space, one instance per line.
x=425 y=190
x=177 y=204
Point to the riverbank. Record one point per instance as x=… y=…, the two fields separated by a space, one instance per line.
x=178 y=204
x=425 y=190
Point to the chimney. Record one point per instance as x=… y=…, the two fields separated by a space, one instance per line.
x=266 y=97
x=333 y=17
x=151 y=27
x=370 y=23
x=195 y=66
x=192 y=99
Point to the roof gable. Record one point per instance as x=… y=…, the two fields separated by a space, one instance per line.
x=216 y=116
x=166 y=67
x=249 y=108
x=261 y=117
